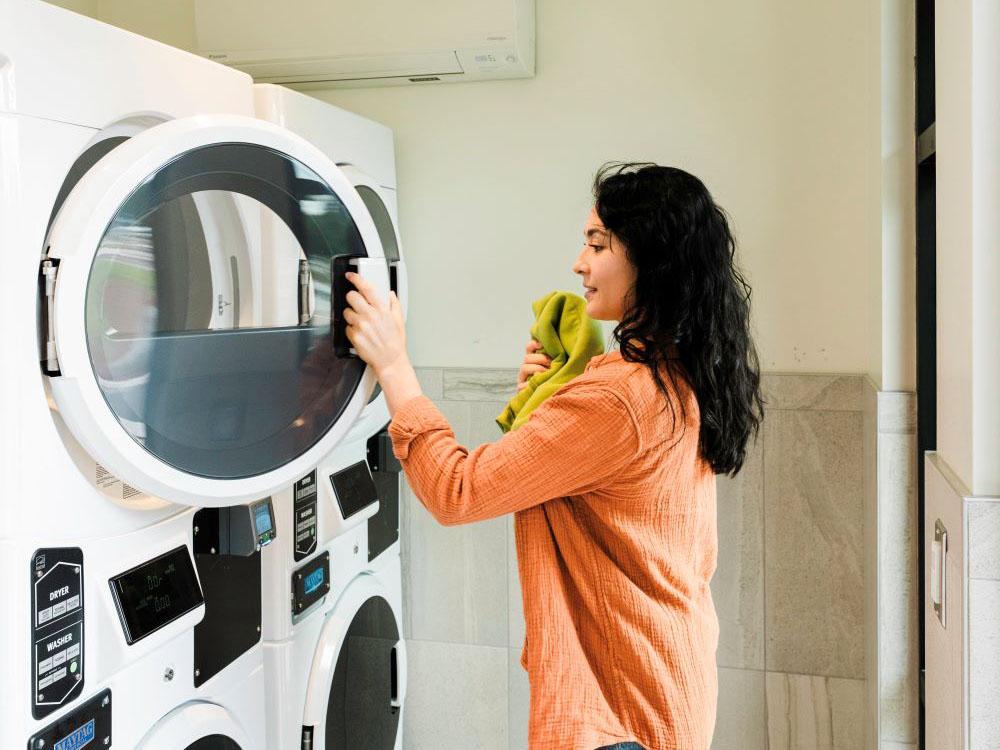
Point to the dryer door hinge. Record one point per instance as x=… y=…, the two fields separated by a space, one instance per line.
x=47 y=281
x=307 y=738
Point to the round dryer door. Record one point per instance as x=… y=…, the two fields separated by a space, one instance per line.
x=193 y=353
x=375 y=198
x=357 y=683
x=197 y=726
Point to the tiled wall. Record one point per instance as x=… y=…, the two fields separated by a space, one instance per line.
x=893 y=605
x=789 y=587
x=983 y=518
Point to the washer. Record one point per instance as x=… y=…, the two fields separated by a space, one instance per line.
x=145 y=389
x=334 y=653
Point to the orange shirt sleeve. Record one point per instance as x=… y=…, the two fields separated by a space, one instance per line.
x=578 y=440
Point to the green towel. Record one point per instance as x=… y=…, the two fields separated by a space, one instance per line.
x=570 y=338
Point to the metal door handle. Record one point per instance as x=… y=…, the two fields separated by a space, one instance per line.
x=939 y=572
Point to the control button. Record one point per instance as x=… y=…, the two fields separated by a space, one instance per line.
x=44 y=666
x=73 y=667
x=45 y=615
x=72 y=603
x=59 y=658
x=59 y=609
x=73 y=651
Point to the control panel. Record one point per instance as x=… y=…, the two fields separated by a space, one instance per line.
x=155 y=593
x=306 y=504
x=56 y=628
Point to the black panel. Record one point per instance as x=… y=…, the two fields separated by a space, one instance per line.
x=304 y=516
x=57 y=628
x=359 y=713
x=154 y=594
x=354 y=488
x=383 y=527
x=87 y=726
x=214 y=742
x=310 y=583
x=231 y=584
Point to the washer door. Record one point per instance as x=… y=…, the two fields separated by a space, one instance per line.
x=357 y=683
x=195 y=360
x=197 y=726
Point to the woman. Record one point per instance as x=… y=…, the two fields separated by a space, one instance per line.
x=612 y=479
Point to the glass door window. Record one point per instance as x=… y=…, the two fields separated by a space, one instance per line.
x=211 y=344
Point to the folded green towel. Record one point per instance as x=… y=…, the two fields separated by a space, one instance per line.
x=570 y=338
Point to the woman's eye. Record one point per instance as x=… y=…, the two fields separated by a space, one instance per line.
x=597 y=248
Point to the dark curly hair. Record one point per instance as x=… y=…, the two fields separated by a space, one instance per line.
x=690 y=302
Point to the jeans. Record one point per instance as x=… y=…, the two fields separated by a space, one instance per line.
x=623 y=746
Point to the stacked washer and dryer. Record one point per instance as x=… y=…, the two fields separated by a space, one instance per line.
x=334 y=654
x=173 y=362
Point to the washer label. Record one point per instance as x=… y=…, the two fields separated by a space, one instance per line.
x=305 y=516
x=88 y=726
x=56 y=629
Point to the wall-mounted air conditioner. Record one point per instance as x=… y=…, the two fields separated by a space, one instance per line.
x=328 y=43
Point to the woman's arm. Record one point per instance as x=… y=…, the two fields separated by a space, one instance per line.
x=577 y=441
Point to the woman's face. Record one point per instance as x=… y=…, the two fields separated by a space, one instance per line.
x=608 y=275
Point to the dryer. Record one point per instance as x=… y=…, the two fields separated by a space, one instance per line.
x=334 y=653
x=144 y=387
x=364 y=150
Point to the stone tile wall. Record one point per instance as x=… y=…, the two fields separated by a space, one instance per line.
x=893 y=576
x=789 y=588
x=983 y=617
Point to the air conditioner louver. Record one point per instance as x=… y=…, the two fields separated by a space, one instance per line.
x=311 y=43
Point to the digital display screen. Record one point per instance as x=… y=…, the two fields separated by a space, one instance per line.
x=154 y=594
x=313 y=581
x=355 y=488
x=310 y=584
x=262 y=518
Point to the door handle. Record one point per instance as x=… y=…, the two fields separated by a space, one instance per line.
x=939 y=573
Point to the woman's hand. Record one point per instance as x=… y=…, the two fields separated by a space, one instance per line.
x=376 y=330
x=535 y=361
x=378 y=334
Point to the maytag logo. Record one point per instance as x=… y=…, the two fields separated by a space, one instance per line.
x=77 y=738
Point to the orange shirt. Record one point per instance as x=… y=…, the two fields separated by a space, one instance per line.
x=616 y=545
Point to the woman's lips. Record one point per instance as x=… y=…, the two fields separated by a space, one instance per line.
x=589 y=293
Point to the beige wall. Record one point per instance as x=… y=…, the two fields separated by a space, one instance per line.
x=772 y=106
x=777 y=107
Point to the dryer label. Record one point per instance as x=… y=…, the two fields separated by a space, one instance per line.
x=305 y=516
x=57 y=618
